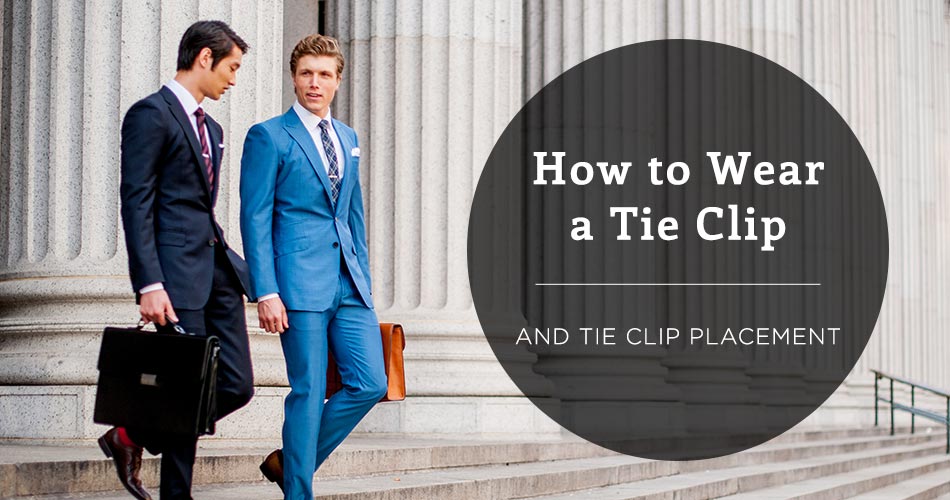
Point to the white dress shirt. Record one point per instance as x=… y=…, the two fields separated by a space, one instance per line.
x=190 y=105
x=312 y=123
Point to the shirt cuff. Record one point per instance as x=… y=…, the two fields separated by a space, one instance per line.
x=151 y=288
x=268 y=297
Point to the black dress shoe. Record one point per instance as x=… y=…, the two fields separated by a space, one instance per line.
x=273 y=468
x=128 y=462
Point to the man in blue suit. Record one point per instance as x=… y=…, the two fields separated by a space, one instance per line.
x=305 y=244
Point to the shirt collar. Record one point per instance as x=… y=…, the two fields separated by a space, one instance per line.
x=310 y=120
x=187 y=100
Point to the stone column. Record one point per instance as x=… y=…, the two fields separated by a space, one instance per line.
x=70 y=71
x=558 y=35
x=562 y=33
x=429 y=86
x=715 y=385
x=778 y=377
x=830 y=47
x=884 y=66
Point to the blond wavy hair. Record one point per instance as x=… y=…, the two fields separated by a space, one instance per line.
x=317 y=45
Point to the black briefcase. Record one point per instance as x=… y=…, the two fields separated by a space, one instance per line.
x=157 y=382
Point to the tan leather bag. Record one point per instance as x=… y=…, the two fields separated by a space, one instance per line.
x=394 y=341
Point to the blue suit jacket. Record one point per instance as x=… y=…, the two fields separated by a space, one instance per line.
x=294 y=236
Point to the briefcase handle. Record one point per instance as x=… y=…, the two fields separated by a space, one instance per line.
x=175 y=326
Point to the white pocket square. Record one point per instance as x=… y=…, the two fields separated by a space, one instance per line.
x=355 y=152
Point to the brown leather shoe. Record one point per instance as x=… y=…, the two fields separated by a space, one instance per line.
x=128 y=462
x=273 y=468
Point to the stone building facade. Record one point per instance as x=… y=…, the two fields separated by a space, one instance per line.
x=429 y=85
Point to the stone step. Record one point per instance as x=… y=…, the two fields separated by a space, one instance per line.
x=58 y=470
x=857 y=482
x=777 y=451
x=38 y=470
x=557 y=477
x=795 y=435
x=715 y=483
x=924 y=487
x=35 y=470
x=492 y=481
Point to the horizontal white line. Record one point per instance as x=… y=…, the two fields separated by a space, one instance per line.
x=677 y=284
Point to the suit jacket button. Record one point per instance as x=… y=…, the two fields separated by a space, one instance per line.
x=336 y=245
x=211 y=242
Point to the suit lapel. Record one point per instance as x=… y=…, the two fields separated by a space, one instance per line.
x=299 y=133
x=349 y=172
x=215 y=138
x=179 y=113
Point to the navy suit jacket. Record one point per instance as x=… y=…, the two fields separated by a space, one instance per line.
x=295 y=238
x=167 y=202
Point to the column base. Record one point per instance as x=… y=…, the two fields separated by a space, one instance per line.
x=66 y=411
x=664 y=418
x=715 y=390
x=784 y=393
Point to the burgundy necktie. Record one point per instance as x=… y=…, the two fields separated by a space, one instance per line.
x=205 y=152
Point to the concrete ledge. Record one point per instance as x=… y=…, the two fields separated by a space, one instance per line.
x=65 y=412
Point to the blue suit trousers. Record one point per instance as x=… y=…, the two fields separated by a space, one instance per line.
x=312 y=428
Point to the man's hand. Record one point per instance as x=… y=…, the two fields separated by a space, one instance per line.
x=272 y=315
x=155 y=305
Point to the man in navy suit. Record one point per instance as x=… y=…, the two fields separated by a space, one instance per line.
x=305 y=240
x=180 y=263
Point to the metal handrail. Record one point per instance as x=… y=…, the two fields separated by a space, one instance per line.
x=913 y=410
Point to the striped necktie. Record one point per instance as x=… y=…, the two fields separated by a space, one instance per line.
x=333 y=172
x=205 y=152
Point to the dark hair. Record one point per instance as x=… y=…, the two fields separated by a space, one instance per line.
x=215 y=35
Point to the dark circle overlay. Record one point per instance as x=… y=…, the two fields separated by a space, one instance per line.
x=692 y=347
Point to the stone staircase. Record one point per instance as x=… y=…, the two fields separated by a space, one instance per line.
x=831 y=464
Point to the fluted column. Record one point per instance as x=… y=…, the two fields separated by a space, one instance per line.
x=777 y=375
x=563 y=33
x=70 y=72
x=559 y=35
x=883 y=65
x=429 y=86
x=716 y=383
x=831 y=46
x=889 y=82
